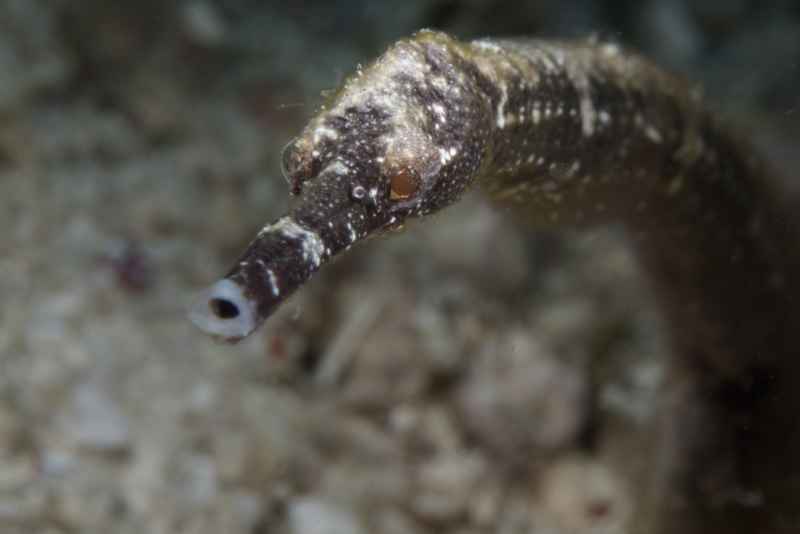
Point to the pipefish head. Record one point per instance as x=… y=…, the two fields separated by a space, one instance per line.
x=409 y=132
x=404 y=137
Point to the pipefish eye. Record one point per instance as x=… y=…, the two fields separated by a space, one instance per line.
x=403 y=184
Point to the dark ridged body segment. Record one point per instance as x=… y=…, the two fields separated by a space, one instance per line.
x=589 y=133
x=570 y=133
x=579 y=118
x=586 y=133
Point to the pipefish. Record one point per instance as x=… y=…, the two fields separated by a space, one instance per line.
x=570 y=134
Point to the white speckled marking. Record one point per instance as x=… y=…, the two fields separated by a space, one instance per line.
x=587 y=113
x=310 y=241
x=653 y=134
x=440 y=111
x=501 y=106
x=337 y=167
x=273 y=283
x=324 y=132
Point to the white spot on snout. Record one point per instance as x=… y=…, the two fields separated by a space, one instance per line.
x=271 y=278
x=311 y=243
x=273 y=283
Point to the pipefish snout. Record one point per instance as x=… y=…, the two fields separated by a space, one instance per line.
x=565 y=133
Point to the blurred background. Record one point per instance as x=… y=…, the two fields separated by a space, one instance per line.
x=464 y=376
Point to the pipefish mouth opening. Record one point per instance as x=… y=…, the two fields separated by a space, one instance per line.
x=223 y=311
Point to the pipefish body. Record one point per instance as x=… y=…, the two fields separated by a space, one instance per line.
x=565 y=134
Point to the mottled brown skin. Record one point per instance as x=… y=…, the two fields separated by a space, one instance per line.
x=573 y=134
